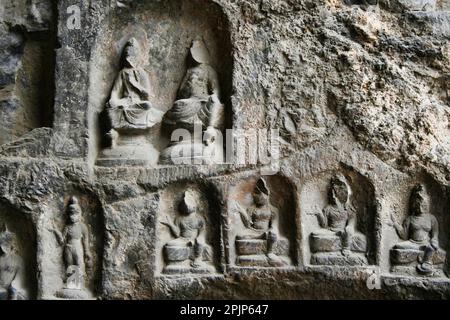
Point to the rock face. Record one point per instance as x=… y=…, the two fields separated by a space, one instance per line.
x=315 y=149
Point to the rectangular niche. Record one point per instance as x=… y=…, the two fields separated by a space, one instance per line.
x=261 y=225
x=339 y=220
x=18 y=266
x=188 y=230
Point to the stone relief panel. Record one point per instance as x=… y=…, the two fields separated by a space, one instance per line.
x=188 y=232
x=418 y=235
x=72 y=253
x=198 y=107
x=185 y=70
x=18 y=276
x=261 y=223
x=339 y=220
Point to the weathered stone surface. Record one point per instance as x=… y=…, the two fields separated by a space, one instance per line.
x=360 y=94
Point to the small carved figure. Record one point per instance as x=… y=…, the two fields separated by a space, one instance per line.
x=338 y=233
x=260 y=243
x=12 y=273
x=420 y=230
x=130 y=111
x=189 y=245
x=198 y=106
x=77 y=256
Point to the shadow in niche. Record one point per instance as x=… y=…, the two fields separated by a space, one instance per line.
x=165 y=30
x=21 y=229
x=27 y=99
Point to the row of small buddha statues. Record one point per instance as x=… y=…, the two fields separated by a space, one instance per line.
x=258 y=243
x=132 y=115
x=336 y=242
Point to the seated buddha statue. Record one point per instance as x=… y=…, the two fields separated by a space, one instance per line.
x=187 y=252
x=338 y=242
x=259 y=244
x=131 y=114
x=197 y=112
x=11 y=269
x=420 y=232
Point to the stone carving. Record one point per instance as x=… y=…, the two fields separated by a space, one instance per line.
x=131 y=113
x=260 y=244
x=198 y=108
x=338 y=242
x=76 y=250
x=420 y=231
x=12 y=275
x=188 y=251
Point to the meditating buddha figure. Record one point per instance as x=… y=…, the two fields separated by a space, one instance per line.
x=420 y=232
x=259 y=243
x=198 y=114
x=131 y=114
x=338 y=241
x=188 y=251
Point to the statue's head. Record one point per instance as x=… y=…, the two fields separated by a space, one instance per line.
x=132 y=53
x=420 y=200
x=261 y=194
x=74 y=210
x=339 y=192
x=199 y=52
x=7 y=240
x=188 y=204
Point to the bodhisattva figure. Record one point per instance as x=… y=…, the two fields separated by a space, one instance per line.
x=131 y=114
x=198 y=111
x=188 y=252
x=338 y=242
x=420 y=230
x=260 y=244
x=12 y=273
x=77 y=256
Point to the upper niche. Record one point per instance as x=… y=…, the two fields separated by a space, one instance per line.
x=165 y=31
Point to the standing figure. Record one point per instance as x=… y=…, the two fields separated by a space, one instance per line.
x=338 y=241
x=420 y=232
x=12 y=273
x=130 y=113
x=76 y=248
x=188 y=251
x=260 y=243
x=198 y=111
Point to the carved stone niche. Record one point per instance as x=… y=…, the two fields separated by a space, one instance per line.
x=338 y=218
x=419 y=227
x=18 y=276
x=188 y=230
x=261 y=223
x=73 y=244
x=183 y=80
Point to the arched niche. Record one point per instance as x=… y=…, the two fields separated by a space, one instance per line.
x=22 y=228
x=165 y=30
x=207 y=199
x=402 y=258
x=53 y=265
x=248 y=245
x=322 y=240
